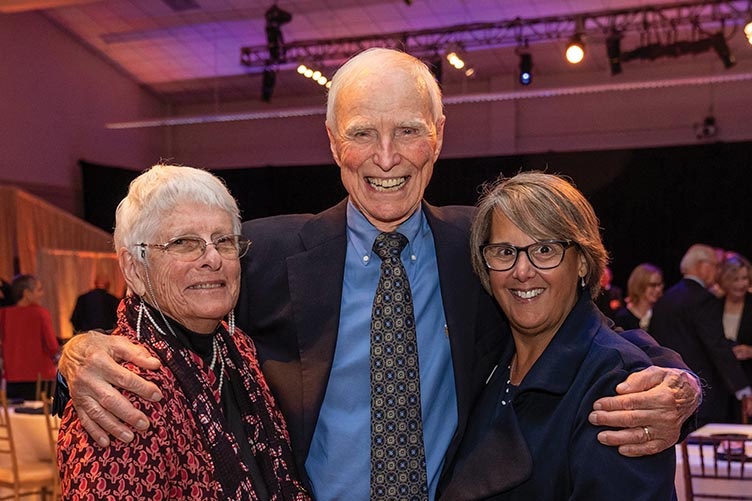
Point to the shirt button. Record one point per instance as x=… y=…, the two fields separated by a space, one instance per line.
x=365 y=259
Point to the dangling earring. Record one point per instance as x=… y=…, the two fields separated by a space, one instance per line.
x=231 y=323
x=141 y=307
x=582 y=282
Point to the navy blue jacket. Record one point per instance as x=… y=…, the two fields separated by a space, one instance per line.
x=542 y=446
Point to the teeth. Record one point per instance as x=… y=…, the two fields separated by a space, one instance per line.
x=527 y=294
x=381 y=184
x=206 y=286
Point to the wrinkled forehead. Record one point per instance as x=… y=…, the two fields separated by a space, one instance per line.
x=371 y=94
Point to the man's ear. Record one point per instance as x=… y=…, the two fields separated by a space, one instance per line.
x=332 y=144
x=133 y=270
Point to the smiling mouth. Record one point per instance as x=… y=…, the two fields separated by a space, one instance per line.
x=528 y=294
x=386 y=184
x=207 y=286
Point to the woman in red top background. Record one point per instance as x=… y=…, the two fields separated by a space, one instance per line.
x=29 y=345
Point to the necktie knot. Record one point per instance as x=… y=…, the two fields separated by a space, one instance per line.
x=389 y=245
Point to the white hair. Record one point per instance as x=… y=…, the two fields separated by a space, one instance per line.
x=157 y=191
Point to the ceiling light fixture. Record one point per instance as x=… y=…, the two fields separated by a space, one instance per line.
x=613 y=51
x=315 y=75
x=455 y=60
x=575 y=51
x=268 y=81
x=276 y=17
x=526 y=68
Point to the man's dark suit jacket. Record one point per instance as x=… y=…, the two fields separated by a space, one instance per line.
x=685 y=319
x=290 y=305
x=96 y=309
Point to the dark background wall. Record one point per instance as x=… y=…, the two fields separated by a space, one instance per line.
x=653 y=203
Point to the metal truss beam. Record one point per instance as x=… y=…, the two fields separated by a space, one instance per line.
x=652 y=23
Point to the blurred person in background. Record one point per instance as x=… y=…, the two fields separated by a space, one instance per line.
x=29 y=345
x=686 y=320
x=734 y=280
x=6 y=293
x=610 y=299
x=96 y=309
x=644 y=288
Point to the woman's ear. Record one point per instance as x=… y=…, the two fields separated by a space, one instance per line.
x=582 y=271
x=133 y=270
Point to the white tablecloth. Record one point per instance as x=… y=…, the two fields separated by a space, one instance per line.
x=30 y=435
x=727 y=486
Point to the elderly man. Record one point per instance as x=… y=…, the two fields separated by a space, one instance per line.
x=684 y=320
x=315 y=290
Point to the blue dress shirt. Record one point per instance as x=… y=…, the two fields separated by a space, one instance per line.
x=338 y=462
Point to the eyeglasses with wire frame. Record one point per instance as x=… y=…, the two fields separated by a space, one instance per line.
x=544 y=255
x=190 y=248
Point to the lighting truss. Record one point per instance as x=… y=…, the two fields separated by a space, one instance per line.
x=653 y=24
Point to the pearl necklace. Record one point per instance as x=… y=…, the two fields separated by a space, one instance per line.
x=215 y=344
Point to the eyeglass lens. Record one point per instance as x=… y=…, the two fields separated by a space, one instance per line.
x=542 y=255
x=191 y=248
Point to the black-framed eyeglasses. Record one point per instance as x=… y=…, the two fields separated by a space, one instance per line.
x=190 y=248
x=543 y=255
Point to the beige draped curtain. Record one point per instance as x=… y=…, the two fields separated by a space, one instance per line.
x=65 y=252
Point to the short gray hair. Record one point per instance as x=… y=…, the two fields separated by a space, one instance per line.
x=693 y=256
x=157 y=191
x=544 y=206
x=380 y=60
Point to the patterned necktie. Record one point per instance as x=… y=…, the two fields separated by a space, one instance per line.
x=398 y=460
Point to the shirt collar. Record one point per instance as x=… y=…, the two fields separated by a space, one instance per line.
x=362 y=233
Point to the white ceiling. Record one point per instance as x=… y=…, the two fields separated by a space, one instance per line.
x=193 y=55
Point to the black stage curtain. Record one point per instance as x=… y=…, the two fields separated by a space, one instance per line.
x=653 y=203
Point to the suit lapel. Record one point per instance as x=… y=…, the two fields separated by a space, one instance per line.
x=315 y=279
x=459 y=292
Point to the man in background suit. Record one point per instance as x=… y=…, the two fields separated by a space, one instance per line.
x=685 y=321
x=308 y=287
x=96 y=309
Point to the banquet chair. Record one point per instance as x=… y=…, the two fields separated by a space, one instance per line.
x=717 y=467
x=44 y=386
x=53 y=428
x=23 y=479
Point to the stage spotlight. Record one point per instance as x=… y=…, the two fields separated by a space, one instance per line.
x=721 y=48
x=748 y=30
x=575 y=52
x=276 y=17
x=455 y=60
x=613 y=50
x=526 y=69
x=268 y=81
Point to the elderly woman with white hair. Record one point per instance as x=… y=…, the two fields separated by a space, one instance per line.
x=216 y=433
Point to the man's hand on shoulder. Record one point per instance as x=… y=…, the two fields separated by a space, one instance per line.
x=90 y=363
x=650 y=408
